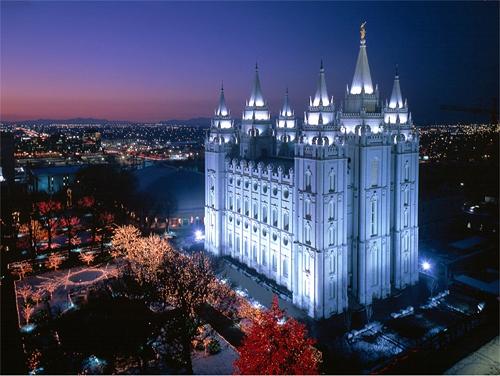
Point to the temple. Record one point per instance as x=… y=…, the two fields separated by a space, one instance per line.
x=326 y=206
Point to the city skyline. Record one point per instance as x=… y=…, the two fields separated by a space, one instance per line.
x=158 y=61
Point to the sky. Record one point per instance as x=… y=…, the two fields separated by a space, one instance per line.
x=151 y=61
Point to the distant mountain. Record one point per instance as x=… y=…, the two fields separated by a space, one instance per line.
x=200 y=122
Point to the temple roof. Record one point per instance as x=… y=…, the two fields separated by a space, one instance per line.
x=286 y=109
x=221 y=109
x=256 y=98
x=321 y=97
x=396 y=97
x=362 y=81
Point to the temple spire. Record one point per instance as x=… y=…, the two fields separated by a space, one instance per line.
x=256 y=98
x=362 y=81
x=221 y=109
x=396 y=97
x=286 y=110
x=321 y=97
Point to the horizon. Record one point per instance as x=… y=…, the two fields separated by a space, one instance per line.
x=144 y=62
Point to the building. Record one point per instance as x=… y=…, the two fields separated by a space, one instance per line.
x=7 y=161
x=327 y=208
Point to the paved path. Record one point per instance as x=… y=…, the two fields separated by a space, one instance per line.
x=484 y=361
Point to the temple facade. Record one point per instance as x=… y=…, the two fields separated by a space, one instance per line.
x=327 y=205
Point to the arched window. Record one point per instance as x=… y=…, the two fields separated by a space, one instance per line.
x=373 y=217
x=274 y=217
x=331 y=235
x=331 y=289
x=308 y=180
x=307 y=233
x=405 y=218
x=245 y=247
x=255 y=210
x=247 y=208
x=307 y=261
x=331 y=209
x=238 y=204
x=264 y=213
x=307 y=208
x=254 y=252
x=332 y=263
x=274 y=262
x=333 y=180
x=264 y=256
x=374 y=172
x=406 y=197
x=286 y=224
x=407 y=171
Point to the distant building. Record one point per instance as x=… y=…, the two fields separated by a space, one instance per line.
x=327 y=208
x=52 y=179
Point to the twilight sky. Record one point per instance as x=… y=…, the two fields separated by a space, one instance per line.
x=153 y=61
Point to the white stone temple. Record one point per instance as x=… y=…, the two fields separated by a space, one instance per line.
x=326 y=206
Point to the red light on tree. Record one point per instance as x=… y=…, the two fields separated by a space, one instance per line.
x=277 y=345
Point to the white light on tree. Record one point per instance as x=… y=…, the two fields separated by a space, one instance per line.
x=426 y=266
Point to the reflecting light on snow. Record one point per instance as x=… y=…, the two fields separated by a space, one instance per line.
x=28 y=328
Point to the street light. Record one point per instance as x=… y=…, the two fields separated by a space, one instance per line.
x=198 y=235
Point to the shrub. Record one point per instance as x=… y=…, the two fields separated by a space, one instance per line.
x=213 y=346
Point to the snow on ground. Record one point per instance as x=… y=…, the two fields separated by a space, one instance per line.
x=484 y=361
x=217 y=364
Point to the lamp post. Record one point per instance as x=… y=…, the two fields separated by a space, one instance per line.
x=426 y=268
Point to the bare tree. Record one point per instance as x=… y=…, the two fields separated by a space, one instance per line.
x=87 y=257
x=54 y=261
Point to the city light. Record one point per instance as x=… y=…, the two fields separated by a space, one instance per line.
x=426 y=266
x=199 y=235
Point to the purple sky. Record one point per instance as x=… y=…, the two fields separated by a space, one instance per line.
x=161 y=60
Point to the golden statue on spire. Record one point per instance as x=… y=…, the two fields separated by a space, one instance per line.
x=362 y=31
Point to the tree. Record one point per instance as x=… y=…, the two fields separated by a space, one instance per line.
x=125 y=238
x=87 y=257
x=50 y=286
x=36 y=232
x=28 y=311
x=54 y=261
x=47 y=210
x=185 y=283
x=25 y=293
x=70 y=224
x=277 y=345
x=22 y=268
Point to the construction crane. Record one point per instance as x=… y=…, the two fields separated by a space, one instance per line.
x=493 y=111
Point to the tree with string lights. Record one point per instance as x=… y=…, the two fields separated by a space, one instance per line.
x=277 y=345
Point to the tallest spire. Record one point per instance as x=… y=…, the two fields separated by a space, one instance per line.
x=256 y=98
x=362 y=81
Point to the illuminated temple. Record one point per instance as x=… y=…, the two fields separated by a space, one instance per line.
x=325 y=205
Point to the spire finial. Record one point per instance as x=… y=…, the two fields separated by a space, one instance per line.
x=222 y=85
x=256 y=66
x=397 y=70
x=362 y=31
x=321 y=66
